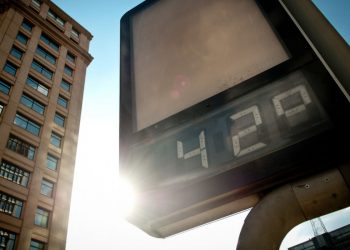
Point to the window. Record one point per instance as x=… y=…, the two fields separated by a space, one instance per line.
x=21 y=147
x=41 y=217
x=36 y=3
x=59 y=119
x=68 y=71
x=70 y=57
x=4 y=87
x=36 y=245
x=75 y=33
x=14 y=174
x=22 y=38
x=7 y=239
x=27 y=124
x=46 y=188
x=62 y=101
x=17 y=53
x=46 y=55
x=10 y=205
x=27 y=25
x=1 y=108
x=65 y=85
x=56 y=140
x=37 y=86
x=52 y=162
x=10 y=68
x=49 y=42
x=32 y=104
x=54 y=16
x=42 y=69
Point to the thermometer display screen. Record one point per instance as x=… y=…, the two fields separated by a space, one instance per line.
x=263 y=121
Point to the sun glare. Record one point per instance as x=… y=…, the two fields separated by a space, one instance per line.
x=126 y=195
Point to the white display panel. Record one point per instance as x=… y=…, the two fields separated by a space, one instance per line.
x=187 y=51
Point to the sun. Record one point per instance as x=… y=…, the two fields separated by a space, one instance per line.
x=126 y=197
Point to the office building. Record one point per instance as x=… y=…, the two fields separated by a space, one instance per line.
x=336 y=239
x=43 y=61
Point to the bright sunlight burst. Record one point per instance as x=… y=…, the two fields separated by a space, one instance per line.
x=126 y=195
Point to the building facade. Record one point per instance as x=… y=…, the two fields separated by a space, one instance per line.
x=335 y=240
x=43 y=61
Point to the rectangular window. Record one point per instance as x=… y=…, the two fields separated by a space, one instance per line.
x=32 y=104
x=42 y=69
x=5 y=87
x=59 y=119
x=36 y=245
x=46 y=55
x=52 y=162
x=7 y=239
x=46 y=188
x=10 y=68
x=1 y=108
x=65 y=85
x=49 y=42
x=62 y=101
x=27 y=25
x=56 y=140
x=36 y=3
x=22 y=38
x=35 y=84
x=14 y=174
x=21 y=147
x=54 y=16
x=75 y=33
x=17 y=53
x=10 y=205
x=68 y=70
x=41 y=217
x=27 y=124
x=70 y=57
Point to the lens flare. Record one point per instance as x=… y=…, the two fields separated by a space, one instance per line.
x=127 y=198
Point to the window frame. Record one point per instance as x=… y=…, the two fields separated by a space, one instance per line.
x=46 y=55
x=68 y=70
x=41 y=69
x=56 y=140
x=52 y=159
x=56 y=17
x=65 y=85
x=50 y=42
x=27 y=124
x=42 y=217
x=33 y=104
x=5 y=87
x=2 y=107
x=11 y=205
x=62 y=101
x=40 y=246
x=13 y=173
x=21 y=147
x=27 y=25
x=16 y=53
x=10 y=245
x=10 y=66
x=22 y=38
x=70 y=57
x=47 y=188
x=59 y=119
x=37 y=85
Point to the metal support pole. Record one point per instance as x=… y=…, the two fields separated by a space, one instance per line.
x=282 y=209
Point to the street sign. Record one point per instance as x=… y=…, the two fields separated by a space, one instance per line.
x=220 y=101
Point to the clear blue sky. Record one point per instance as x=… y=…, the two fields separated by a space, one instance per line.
x=93 y=224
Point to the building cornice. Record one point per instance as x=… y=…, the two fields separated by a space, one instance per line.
x=52 y=30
